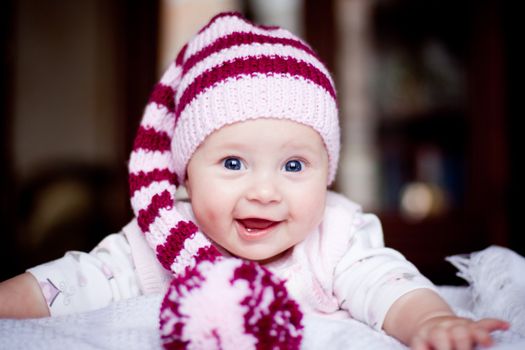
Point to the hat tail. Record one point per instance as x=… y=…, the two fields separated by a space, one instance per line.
x=153 y=183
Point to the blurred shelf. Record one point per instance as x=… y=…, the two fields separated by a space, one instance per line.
x=440 y=124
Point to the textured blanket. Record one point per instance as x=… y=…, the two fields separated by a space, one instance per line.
x=496 y=289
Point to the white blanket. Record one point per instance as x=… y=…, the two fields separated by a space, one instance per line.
x=133 y=323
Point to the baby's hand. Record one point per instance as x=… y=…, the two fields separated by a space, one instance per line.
x=452 y=332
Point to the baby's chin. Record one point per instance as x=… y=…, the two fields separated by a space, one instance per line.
x=263 y=259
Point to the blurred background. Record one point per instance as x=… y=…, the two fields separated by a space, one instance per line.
x=428 y=99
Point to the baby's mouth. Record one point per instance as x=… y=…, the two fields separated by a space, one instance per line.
x=254 y=225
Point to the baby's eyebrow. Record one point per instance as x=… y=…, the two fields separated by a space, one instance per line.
x=300 y=146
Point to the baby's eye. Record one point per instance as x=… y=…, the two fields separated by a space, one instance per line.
x=232 y=163
x=293 y=166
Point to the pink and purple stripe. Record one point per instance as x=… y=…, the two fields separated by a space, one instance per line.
x=147 y=216
x=164 y=96
x=142 y=179
x=174 y=243
x=152 y=140
x=250 y=66
x=243 y=38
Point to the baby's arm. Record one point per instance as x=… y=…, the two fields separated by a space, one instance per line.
x=77 y=282
x=423 y=320
x=21 y=297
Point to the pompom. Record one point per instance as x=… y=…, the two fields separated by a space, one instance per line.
x=229 y=304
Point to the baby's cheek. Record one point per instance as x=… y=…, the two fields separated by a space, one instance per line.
x=312 y=209
x=209 y=217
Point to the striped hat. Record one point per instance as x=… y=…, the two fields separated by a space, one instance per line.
x=230 y=71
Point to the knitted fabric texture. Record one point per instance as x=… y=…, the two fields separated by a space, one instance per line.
x=231 y=71
x=252 y=309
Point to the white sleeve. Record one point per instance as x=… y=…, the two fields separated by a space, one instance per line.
x=81 y=281
x=370 y=278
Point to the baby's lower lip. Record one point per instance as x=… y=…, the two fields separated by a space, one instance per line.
x=252 y=234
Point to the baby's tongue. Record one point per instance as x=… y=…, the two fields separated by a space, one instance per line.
x=256 y=224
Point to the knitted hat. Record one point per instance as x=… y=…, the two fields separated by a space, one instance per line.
x=231 y=71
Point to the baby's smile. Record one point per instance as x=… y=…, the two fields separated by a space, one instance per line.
x=255 y=228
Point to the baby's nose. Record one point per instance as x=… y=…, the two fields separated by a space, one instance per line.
x=264 y=190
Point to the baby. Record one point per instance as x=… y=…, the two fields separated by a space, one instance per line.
x=246 y=119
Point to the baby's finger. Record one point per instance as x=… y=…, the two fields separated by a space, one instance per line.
x=483 y=328
x=492 y=324
x=419 y=343
x=439 y=339
x=462 y=337
x=482 y=337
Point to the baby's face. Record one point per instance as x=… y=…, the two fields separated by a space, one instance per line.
x=258 y=187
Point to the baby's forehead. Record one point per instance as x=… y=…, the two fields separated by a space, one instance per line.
x=274 y=124
x=264 y=139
